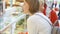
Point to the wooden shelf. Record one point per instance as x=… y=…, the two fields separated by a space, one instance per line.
x=16 y=3
x=20 y=0
x=13 y=5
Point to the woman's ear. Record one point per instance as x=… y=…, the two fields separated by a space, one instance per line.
x=26 y=7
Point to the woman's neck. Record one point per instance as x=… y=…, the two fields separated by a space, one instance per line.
x=30 y=14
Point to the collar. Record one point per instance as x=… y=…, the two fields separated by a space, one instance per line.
x=40 y=13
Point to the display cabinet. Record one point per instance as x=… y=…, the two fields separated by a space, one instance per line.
x=14 y=21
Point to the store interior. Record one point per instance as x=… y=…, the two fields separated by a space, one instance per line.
x=12 y=18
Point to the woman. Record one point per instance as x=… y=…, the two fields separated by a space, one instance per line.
x=35 y=23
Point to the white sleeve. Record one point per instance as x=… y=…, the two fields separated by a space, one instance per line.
x=32 y=27
x=37 y=26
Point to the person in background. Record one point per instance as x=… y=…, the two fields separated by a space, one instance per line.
x=51 y=12
x=53 y=15
x=36 y=24
x=54 y=4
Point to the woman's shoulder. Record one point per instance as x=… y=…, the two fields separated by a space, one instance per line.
x=35 y=19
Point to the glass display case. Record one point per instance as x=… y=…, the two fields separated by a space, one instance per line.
x=1 y=14
x=14 y=21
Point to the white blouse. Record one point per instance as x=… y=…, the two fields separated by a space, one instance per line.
x=37 y=25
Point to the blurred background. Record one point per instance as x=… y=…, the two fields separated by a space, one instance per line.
x=12 y=17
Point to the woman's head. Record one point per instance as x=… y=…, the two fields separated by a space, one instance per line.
x=31 y=6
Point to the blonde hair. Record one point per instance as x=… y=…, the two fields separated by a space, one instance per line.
x=33 y=6
x=41 y=2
